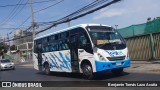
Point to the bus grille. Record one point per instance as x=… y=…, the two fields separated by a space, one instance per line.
x=116 y=58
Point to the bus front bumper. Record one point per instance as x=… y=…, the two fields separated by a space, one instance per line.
x=103 y=65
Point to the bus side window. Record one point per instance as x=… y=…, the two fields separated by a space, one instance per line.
x=83 y=40
x=64 y=35
x=39 y=48
x=63 y=45
x=54 y=46
x=84 y=43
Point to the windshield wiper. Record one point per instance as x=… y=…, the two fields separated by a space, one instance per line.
x=103 y=45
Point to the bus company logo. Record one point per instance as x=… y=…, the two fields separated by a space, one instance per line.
x=6 y=84
x=115 y=53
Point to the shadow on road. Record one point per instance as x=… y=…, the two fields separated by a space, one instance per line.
x=108 y=75
x=98 y=76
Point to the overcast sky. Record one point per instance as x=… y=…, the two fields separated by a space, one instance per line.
x=123 y=14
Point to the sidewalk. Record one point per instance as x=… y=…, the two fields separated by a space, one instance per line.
x=145 y=66
x=25 y=64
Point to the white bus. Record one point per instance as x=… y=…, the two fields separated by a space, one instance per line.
x=85 y=48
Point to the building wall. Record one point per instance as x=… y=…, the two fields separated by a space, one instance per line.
x=24 y=45
x=22 y=40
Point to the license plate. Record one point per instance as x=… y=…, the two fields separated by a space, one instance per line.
x=118 y=63
x=9 y=66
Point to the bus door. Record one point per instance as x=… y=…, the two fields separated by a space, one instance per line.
x=39 y=52
x=74 y=53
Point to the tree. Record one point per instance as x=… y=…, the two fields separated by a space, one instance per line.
x=3 y=48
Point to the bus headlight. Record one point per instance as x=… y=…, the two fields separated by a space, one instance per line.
x=101 y=57
x=127 y=55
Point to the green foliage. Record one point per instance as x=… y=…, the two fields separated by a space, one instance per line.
x=3 y=48
x=152 y=26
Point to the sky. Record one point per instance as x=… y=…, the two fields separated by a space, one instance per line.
x=123 y=14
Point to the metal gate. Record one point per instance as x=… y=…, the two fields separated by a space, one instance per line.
x=156 y=40
x=145 y=47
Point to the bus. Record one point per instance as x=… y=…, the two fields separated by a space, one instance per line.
x=85 y=48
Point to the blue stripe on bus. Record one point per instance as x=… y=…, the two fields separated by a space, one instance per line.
x=102 y=65
x=54 y=62
x=64 y=61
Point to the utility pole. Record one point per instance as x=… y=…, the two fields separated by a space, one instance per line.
x=8 y=42
x=3 y=48
x=33 y=29
x=32 y=16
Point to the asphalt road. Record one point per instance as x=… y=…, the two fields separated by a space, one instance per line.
x=30 y=74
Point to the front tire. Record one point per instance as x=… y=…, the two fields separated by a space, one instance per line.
x=117 y=71
x=87 y=71
x=47 y=69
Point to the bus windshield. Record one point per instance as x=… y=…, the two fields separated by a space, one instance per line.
x=106 y=38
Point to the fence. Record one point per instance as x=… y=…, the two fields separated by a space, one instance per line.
x=143 y=40
x=144 y=47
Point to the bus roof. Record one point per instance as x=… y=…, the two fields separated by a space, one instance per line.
x=67 y=29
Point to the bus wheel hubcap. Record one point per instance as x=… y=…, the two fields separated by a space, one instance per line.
x=87 y=70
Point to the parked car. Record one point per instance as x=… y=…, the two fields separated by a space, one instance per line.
x=6 y=64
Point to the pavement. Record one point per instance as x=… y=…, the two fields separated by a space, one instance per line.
x=25 y=64
x=136 y=66
x=145 y=66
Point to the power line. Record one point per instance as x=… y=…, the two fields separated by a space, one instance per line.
x=35 y=13
x=10 y=16
x=15 y=14
x=27 y=3
x=49 y=6
x=81 y=10
x=18 y=11
x=80 y=13
x=7 y=28
x=40 y=11
x=59 y=15
x=29 y=18
x=22 y=23
x=77 y=15
x=14 y=10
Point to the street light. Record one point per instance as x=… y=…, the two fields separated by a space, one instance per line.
x=116 y=26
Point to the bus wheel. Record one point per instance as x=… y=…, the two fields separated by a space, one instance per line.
x=47 y=69
x=117 y=71
x=87 y=71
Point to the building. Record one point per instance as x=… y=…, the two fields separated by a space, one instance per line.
x=24 y=44
x=1 y=40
